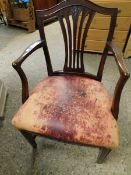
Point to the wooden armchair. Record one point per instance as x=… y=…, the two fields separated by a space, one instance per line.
x=72 y=105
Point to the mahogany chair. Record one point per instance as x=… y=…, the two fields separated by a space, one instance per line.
x=72 y=105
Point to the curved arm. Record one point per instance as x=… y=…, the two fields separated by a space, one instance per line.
x=124 y=75
x=28 y=51
x=17 y=66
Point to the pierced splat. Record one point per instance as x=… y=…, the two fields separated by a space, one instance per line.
x=73 y=16
x=68 y=19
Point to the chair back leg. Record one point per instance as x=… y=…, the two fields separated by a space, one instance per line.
x=103 y=154
x=30 y=138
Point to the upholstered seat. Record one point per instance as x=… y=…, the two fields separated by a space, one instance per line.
x=70 y=108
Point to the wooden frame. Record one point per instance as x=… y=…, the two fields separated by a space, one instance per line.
x=74 y=65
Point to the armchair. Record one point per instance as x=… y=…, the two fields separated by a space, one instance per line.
x=72 y=105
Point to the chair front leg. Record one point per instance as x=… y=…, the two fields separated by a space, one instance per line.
x=103 y=154
x=30 y=138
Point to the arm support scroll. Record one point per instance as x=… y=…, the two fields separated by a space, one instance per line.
x=124 y=75
x=17 y=66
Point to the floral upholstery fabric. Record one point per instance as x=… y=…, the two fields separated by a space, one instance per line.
x=70 y=108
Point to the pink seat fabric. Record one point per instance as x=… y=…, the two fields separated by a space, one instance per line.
x=70 y=108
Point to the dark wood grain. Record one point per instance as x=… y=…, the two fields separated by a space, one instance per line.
x=17 y=66
x=124 y=75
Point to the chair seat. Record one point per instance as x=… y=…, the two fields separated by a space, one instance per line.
x=70 y=108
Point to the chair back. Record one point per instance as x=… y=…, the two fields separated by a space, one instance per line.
x=72 y=15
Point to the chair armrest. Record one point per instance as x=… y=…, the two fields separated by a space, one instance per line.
x=17 y=66
x=118 y=57
x=124 y=75
x=27 y=52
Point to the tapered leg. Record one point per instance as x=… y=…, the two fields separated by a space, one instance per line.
x=30 y=138
x=103 y=154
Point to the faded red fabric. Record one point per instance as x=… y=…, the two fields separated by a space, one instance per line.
x=70 y=108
